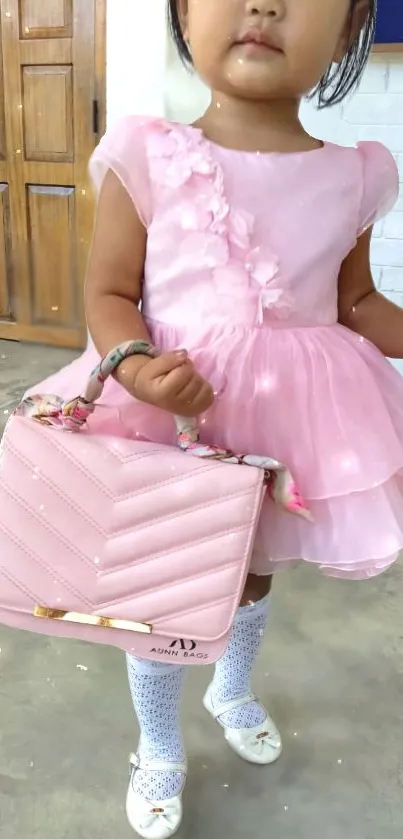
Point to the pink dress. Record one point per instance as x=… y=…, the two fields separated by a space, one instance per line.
x=244 y=252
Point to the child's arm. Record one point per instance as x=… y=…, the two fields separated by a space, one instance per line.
x=112 y=296
x=363 y=309
x=115 y=271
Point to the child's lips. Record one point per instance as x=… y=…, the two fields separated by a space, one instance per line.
x=255 y=47
x=255 y=39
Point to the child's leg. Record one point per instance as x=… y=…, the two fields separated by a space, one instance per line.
x=230 y=691
x=233 y=673
x=156 y=693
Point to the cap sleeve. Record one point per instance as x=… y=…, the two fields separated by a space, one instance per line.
x=123 y=150
x=380 y=184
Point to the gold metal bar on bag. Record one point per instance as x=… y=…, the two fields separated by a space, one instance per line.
x=92 y=620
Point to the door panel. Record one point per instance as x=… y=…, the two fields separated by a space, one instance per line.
x=51 y=219
x=41 y=19
x=48 y=113
x=46 y=138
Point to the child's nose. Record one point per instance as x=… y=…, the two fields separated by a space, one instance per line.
x=266 y=8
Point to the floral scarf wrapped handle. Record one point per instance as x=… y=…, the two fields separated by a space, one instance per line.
x=71 y=416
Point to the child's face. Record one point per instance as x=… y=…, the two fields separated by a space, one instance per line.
x=308 y=34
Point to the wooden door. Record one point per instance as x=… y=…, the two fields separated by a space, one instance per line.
x=49 y=78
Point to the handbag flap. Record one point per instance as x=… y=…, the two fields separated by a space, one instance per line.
x=124 y=529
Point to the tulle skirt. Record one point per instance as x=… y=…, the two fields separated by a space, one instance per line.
x=320 y=399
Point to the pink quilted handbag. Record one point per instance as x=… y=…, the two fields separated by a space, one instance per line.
x=125 y=542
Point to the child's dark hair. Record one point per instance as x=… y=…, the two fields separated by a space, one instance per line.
x=337 y=82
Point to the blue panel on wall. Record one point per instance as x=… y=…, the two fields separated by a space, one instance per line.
x=390 y=22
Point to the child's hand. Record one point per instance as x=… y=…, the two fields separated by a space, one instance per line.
x=171 y=382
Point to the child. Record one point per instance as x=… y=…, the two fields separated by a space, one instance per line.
x=247 y=243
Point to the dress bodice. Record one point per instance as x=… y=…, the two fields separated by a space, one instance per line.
x=239 y=238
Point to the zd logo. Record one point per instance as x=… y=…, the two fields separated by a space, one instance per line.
x=186 y=646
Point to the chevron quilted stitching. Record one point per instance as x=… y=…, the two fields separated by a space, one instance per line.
x=205 y=468
x=209 y=466
x=125 y=496
x=165 y=554
x=52 y=485
x=207 y=607
x=204 y=541
x=150 y=451
x=192 y=567
x=187 y=510
x=39 y=561
x=177 y=593
x=187 y=578
x=176 y=619
x=117 y=532
x=130 y=460
x=139 y=560
x=42 y=522
x=56 y=438
x=16 y=583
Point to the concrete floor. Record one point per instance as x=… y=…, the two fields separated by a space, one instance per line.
x=331 y=670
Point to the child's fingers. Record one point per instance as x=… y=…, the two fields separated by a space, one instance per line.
x=192 y=390
x=204 y=399
x=173 y=383
x=167 y=362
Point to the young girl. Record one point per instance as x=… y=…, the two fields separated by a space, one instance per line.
x=247 y=244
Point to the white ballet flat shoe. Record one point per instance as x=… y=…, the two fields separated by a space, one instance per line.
x=154 y=819
x=261 y=744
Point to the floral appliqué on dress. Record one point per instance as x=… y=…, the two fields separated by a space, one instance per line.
x=219 y=237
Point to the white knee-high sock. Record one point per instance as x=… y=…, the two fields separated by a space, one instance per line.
x=156 y=694
x=233 y=672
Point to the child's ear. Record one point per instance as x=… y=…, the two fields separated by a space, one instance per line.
x=183 y=14
x=352 y=29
